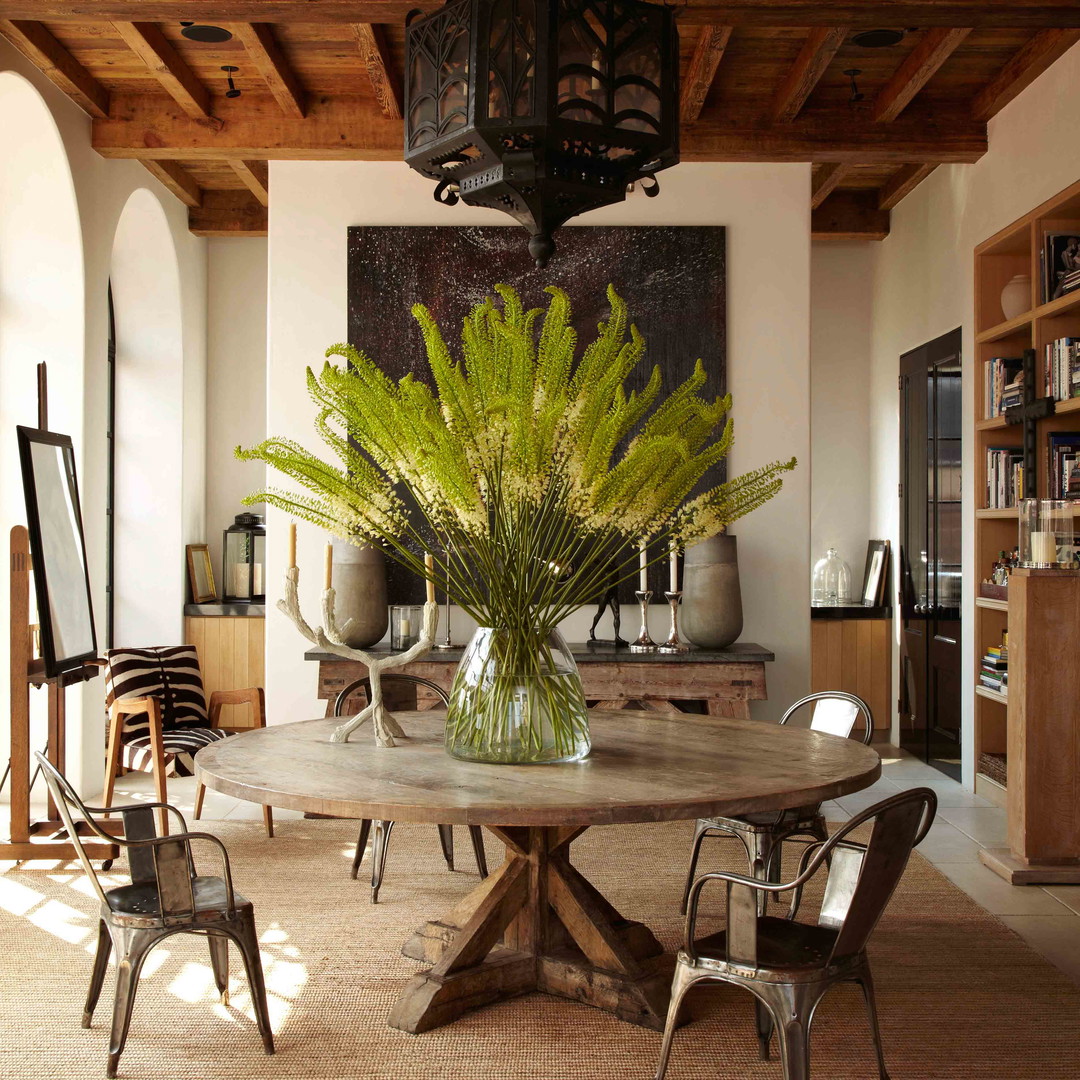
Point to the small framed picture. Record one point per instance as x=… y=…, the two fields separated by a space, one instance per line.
x=876 y=573
x=1061 y=264
x=200 y=574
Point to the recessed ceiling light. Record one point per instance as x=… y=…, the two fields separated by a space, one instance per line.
x=208 y=35
x=877 y=39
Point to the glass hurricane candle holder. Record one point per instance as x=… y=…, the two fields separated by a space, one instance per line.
x=406 y=621
x=1046 y=533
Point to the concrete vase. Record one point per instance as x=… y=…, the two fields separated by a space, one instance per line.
x=711 y=616
x=360 y=593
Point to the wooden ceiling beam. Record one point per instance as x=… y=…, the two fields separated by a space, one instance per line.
x=849 y=215
x=826 y=180
x=1022 y=70
x=711 y=43
x=348 y=128
x=931 y=51
x=371 y=41
x=1010 y=14
x=265 y=53
x=821 y=45
x=177 y=179
x=228 y=213
x=154 y=49
x=256 y=177
x=57 y=65
x=902 y=183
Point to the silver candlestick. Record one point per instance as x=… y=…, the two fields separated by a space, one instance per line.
x=447 y=642
x=673 y=644
x=644 y=643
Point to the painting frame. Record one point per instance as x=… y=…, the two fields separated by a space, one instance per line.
x=875 y=573
x=198 y=558
x=57 y=550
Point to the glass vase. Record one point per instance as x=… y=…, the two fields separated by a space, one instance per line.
x=517 y=700
x=832 y=581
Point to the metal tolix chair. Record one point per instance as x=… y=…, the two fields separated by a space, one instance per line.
x=166 y=896
x=380 y=837
x=763 y=834
x=789 y=966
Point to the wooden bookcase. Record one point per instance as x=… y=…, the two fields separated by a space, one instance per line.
x=1014 y=250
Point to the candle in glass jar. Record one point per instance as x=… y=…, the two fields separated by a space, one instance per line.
x=1043 y=547
x=328 y=566
x=429 y=567
x=292 y=546
x=405 y=629
x=674 y=568
x=643 y=569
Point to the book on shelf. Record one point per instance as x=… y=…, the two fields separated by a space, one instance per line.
x=1002 y=384
x=1004 y=476
x=1063 y=465
x=1060 y=263
x=1061 y=369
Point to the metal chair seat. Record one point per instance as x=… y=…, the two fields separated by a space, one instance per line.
x=763 y=834
x=141 y=900
x=780 y=944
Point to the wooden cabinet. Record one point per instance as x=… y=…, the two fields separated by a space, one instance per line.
x=855 y=655
x=231 y=654
x=1043 y=739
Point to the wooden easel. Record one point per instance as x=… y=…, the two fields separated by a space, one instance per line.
x=46 y=838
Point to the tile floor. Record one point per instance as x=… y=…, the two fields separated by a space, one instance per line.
x=1047 y=917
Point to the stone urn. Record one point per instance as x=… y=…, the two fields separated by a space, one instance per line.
x=1016 y=296
x=711 y=615
x=360 y=594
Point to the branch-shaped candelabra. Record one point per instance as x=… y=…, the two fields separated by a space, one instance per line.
x=330 y=640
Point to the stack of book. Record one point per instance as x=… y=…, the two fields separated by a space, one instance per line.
x=1061 y=369
x=994 y=669
x=1004 y=476
x=1063 y=465
x=1002 y=386
x=1069 y=282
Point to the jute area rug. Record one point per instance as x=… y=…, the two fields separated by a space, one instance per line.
x=960 y=995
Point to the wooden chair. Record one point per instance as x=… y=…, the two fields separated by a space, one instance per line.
x=380 y=837
x=166 y=896
x=790 y=966
x=158 y=717
x=763 y=835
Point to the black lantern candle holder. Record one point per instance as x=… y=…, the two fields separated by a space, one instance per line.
x=243 y=549
x=543 y=109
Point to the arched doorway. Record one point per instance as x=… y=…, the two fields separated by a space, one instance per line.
x=42 y=317
x=148 y=553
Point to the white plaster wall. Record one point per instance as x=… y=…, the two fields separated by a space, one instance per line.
x=766 y=209
x=102 y=189
x=923 y=284
x=236 y=380
x=840 y=291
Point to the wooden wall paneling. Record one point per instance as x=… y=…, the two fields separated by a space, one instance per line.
x=854 y=655
x=231 y=655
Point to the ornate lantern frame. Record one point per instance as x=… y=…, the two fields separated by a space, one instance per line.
x=543 y=109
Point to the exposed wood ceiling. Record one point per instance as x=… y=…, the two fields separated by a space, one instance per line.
x=762 y=80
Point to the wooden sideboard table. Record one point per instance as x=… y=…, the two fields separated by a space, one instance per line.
x=725 y=680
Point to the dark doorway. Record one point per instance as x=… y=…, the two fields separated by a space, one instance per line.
x=930 y=551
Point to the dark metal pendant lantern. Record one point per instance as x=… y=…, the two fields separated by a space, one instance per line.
x=543 y=109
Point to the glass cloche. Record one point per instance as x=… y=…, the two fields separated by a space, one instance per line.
x=831 y=582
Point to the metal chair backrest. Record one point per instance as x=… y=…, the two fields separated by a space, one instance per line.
x=835 y=713
x=156 y=859
x=863 y=877
x=365 y=685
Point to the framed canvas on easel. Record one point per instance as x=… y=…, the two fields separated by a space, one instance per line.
x=52 y=551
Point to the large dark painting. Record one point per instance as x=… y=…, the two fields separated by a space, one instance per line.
x=673 y=280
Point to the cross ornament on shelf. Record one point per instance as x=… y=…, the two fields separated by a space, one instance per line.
x=1032 y=410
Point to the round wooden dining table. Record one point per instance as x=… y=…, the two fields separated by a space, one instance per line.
x=536 y=923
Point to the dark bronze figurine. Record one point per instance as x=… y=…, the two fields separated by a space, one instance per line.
x=610 y=599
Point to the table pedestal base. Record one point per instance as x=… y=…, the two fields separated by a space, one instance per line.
x=534 y=924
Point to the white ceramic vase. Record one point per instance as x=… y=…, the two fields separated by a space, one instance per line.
x=1016 y=296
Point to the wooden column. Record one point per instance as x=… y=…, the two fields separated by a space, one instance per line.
x=1043 y=731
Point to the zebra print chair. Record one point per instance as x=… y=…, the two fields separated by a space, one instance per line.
x=158 y=716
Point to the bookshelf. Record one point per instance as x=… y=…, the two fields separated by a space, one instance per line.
x=1014 y=250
